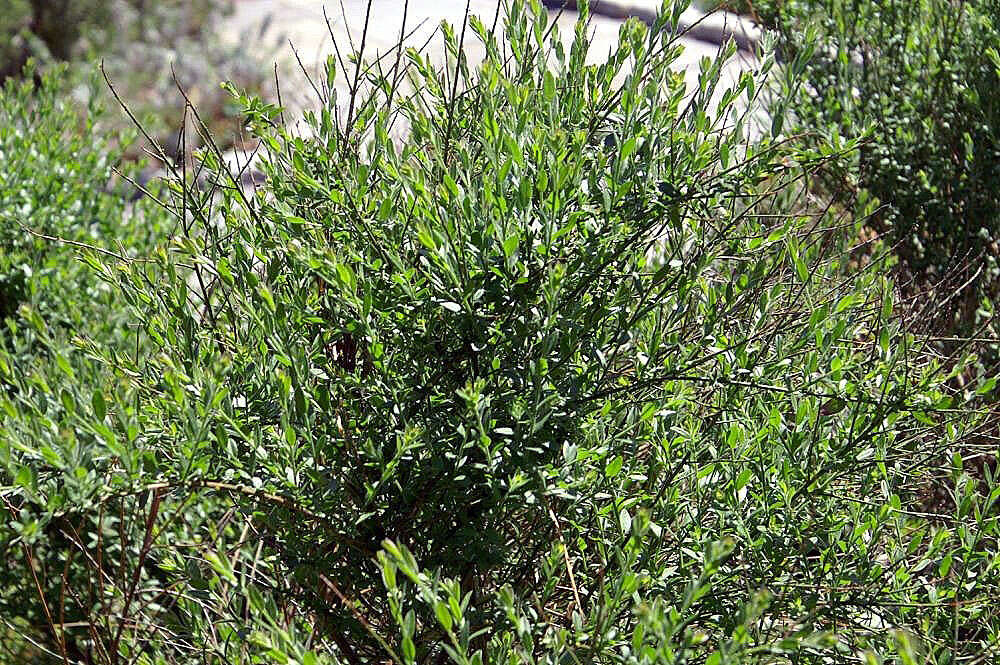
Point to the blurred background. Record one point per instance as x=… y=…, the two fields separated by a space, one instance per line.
x=143 y=45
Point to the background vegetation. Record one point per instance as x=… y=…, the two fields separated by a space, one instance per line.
x=920 y=79
x=571 y=370
x=156 y=53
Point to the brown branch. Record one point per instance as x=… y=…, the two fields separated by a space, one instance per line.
x=360 y=618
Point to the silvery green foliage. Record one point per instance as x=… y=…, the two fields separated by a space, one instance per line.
x=496 y=389
x=917 y=79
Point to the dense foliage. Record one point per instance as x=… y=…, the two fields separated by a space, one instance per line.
x=58 y=192
x=57 y=187
x=520 y=361
x=921 y=79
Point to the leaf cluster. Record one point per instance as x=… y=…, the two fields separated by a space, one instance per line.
x=523 y=360
x=919 y=79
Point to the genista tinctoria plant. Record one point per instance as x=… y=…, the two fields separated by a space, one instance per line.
x=59 y=192
x=916 y=78
x=523 y=360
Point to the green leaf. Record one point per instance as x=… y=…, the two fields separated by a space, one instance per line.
x=25 y=477
x=221 y=566
x=443 y=615
x=613 y=467
x=945 y=566
x=100 y=406
x=510 y=244
x=346 y=276
x=800 y=269
x=987 y=386
x=628 y=147
x=409 y=650
x=777 y=120
x=67 y=401
x=548 y=85
x=887 y=304
x=451 y=185
x=844 y=302
x=265 y=294
x=222 y=267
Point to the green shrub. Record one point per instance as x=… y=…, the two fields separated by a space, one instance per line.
x=58 y=193
x=568 y=372
x=919 y=75
x=57 y=187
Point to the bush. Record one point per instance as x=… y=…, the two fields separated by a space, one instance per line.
x=919 y=76
x=58 y=193
x=57 y=187
x=568 y=372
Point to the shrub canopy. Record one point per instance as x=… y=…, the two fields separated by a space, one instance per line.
x=568 y=370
